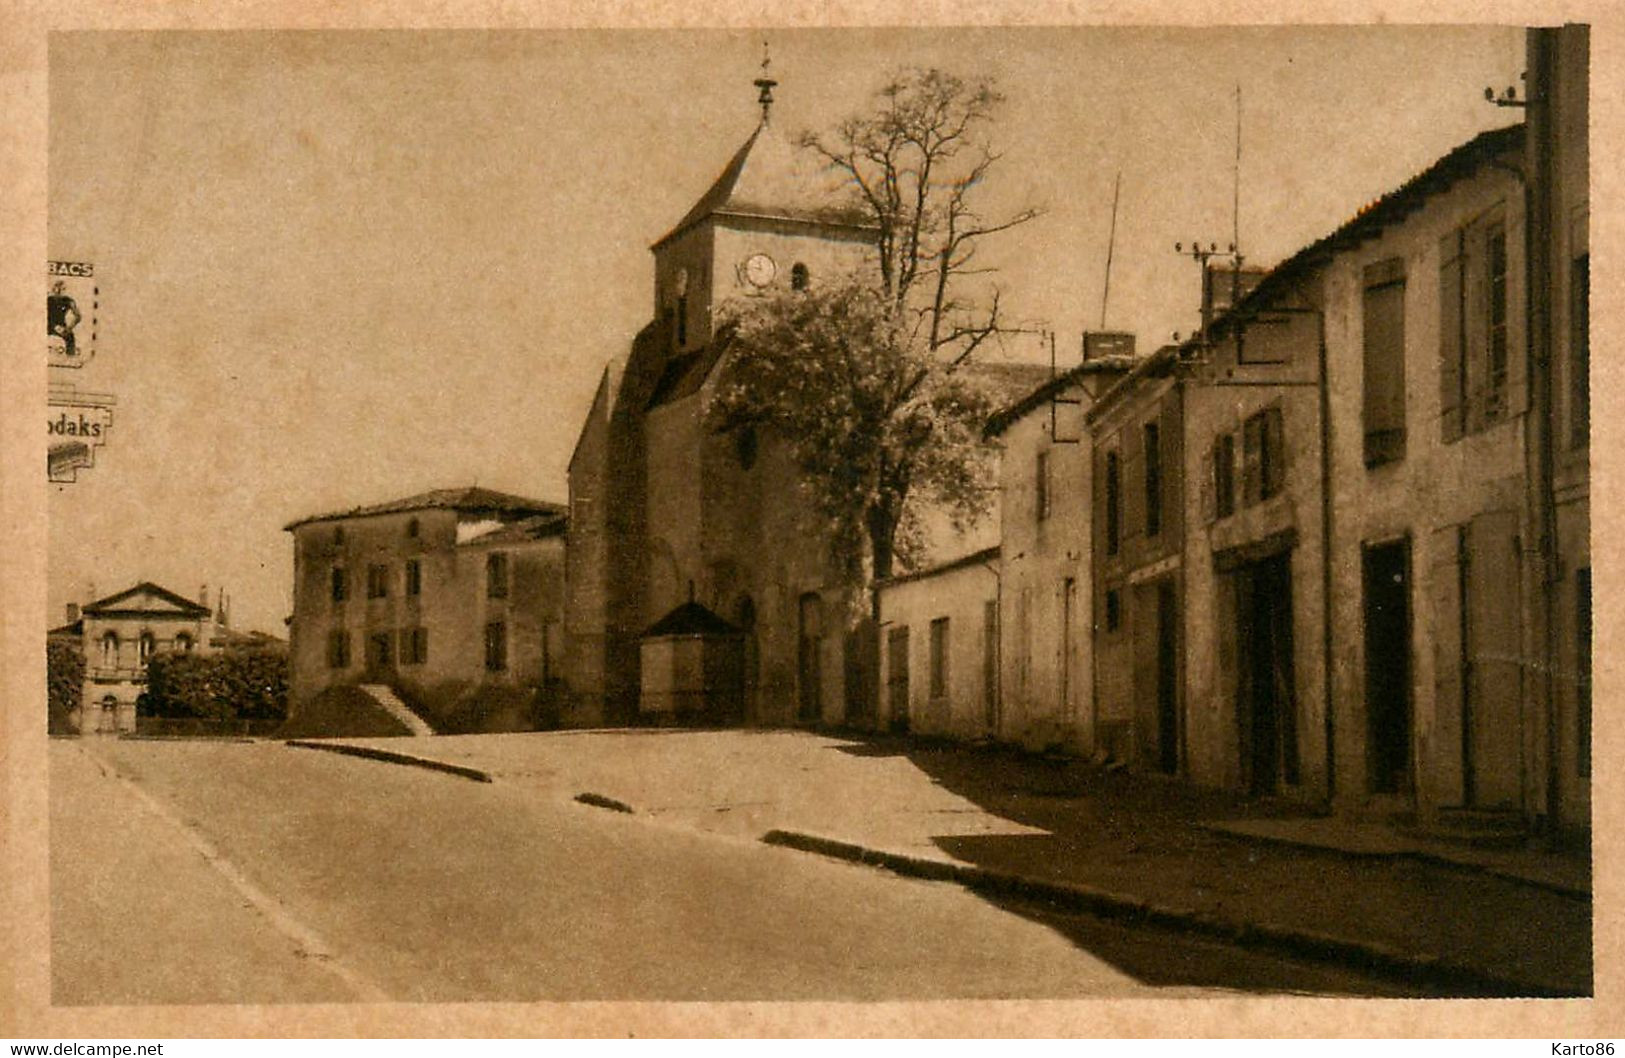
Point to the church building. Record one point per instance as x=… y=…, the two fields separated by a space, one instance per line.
x=667 y=512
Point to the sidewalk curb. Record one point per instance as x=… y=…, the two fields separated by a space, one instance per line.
x=1361 y=955
x=598 y=800
x=1423 y=856
x=391 y=757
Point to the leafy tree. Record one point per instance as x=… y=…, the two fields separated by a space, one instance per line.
x=859 y=374
x=236 y=684
x=871 y=418
x=65 y=679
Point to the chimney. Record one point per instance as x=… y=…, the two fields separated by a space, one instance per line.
x=1097 y=344
x=73 y=612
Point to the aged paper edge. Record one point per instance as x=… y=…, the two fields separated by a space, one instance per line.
x=25 y=1008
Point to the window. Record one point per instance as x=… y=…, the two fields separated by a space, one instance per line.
x=1114 y=609
x=682 y=320
x=1114 y=503
x=145 y=646
x=1153 y=479
x=1580 y=351
x=496 y=575
x=414 y=646
x=1041 y=484
x=414 y=577
x=1383 y=314
x=798 y=276
x=110 y=650
x=1224 y=475
x=183 y=643
x=338 y=535
x=380 y=649
x=1263 y=456
x=496 y=646
x=341 y=584
x=412 y=528
x=377 y=582
x=1474 y=341
x=1495 y=395
x=338 y=649
x=939 y=658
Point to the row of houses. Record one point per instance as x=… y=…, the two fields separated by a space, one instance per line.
x=1334 y=546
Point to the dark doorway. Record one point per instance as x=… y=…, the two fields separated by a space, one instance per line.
x=1167 y=679
x=1266 y=706
x=1388 y=667
x=897 y=678
x=809 y=655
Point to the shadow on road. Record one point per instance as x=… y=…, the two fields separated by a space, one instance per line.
x=1142 y=836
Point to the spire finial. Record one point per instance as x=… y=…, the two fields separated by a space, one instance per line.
x=765 y=83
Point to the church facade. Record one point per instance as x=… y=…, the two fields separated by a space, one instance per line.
x=664 y=509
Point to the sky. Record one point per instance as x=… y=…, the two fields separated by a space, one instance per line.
x=337 y=268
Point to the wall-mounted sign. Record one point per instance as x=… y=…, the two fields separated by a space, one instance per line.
x=72 y=304
x=76 y=424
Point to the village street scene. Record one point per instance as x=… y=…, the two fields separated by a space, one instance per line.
x=846 y=515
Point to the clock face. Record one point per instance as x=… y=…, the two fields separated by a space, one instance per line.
x=760 y=270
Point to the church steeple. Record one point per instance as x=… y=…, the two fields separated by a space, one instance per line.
x=765 y=84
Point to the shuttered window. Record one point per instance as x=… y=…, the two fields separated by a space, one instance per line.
x=1452 y=338
x=1384 y=355
x=496 y=575
x=1272 y=472
x=496 y=646
x=414 y=646
x=1252 y=461
x=1495 y=296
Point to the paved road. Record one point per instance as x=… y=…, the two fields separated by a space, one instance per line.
x=196 y=872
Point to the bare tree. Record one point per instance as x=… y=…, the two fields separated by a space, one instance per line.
x=918 y=161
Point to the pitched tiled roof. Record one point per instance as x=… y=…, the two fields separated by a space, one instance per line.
x=769 y=177
x=472 y=498
x=1460 y=163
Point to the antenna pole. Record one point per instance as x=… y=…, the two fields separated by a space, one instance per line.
x=1111 y=244
x=1235 y=200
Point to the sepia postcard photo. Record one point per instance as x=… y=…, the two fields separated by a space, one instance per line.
x=767 y=527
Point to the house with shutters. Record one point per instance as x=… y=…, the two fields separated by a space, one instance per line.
x=1356 y=606
x=1137 y=581
x=448 y=603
